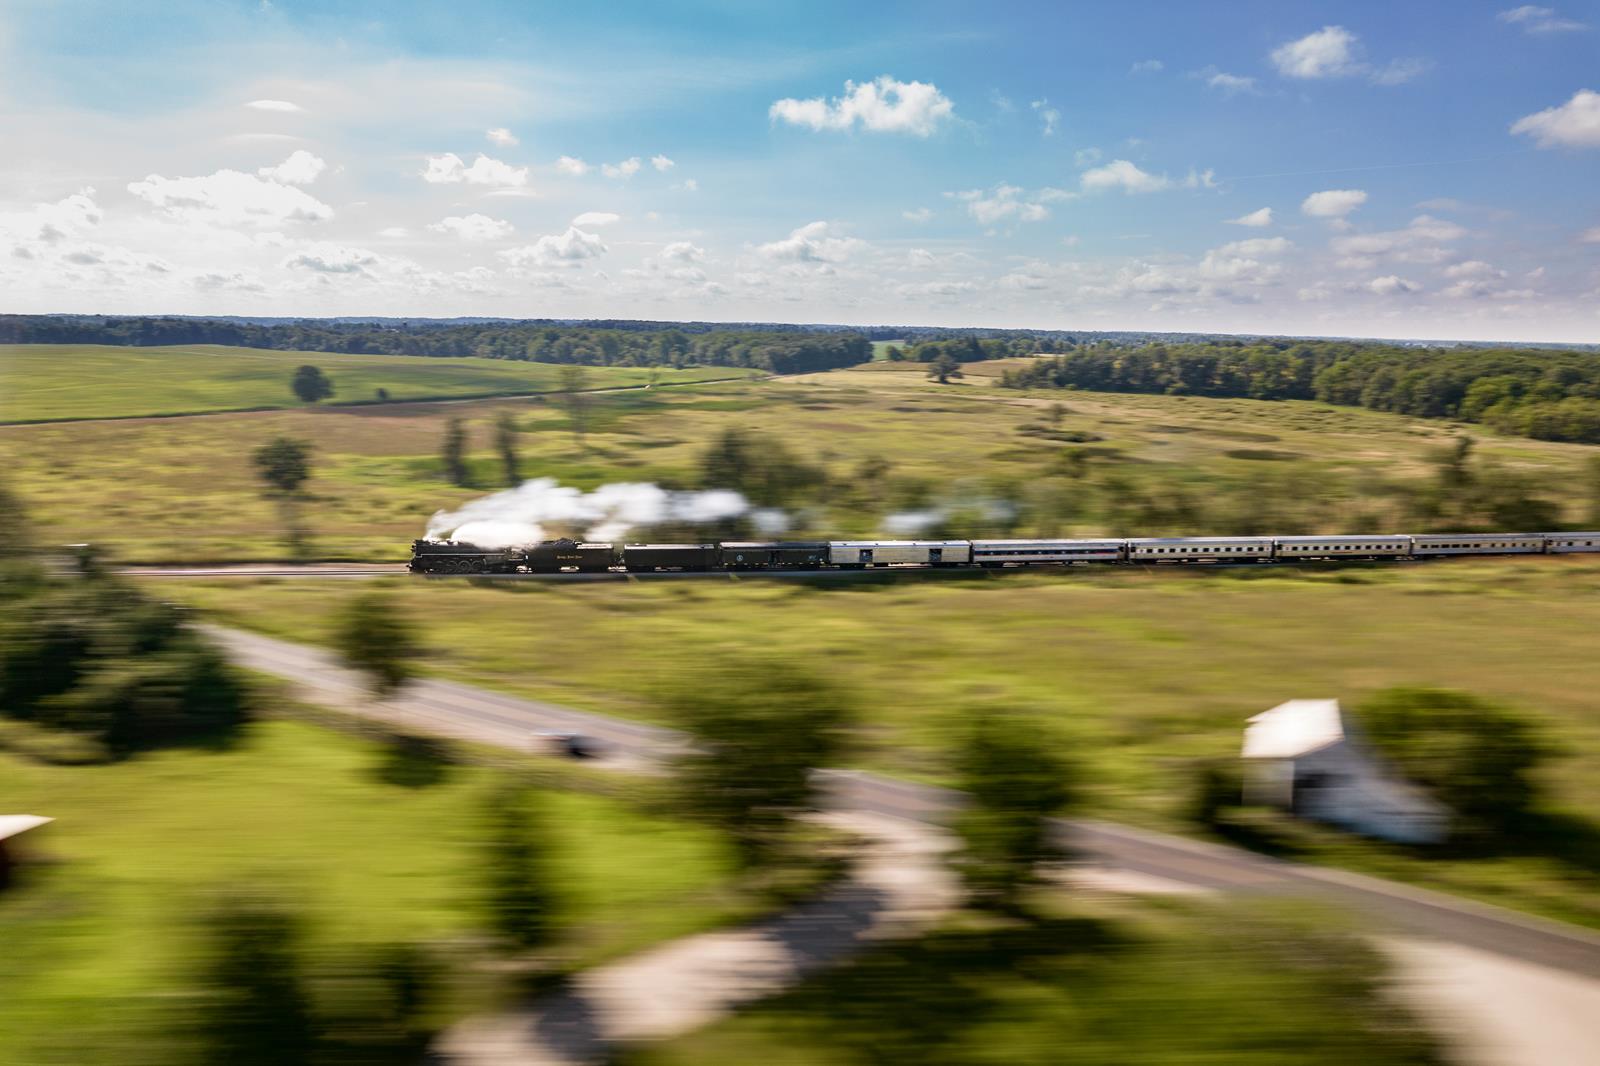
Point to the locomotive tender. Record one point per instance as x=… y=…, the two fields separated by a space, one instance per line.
x=569 y=556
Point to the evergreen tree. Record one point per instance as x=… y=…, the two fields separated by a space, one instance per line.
x=453 y=452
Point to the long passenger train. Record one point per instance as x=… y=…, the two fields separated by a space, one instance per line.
x=558 y=556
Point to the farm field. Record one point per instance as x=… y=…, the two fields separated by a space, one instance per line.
x=46 y=382
x=101 y=942
x=1135 y=675
x=184 y=490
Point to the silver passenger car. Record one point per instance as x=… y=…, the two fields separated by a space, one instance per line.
x=1426 y=544
x=859 y=553
x=1561 y=543
x=1198 y=549
x=1342 y=547
x=1034 y=552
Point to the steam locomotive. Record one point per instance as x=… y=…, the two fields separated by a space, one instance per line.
x=586 y=557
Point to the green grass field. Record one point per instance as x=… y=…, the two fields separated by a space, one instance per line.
x=1135 y=674
x=95 y=943
x=1174 y=986
x=46 y=382
x=184 y=489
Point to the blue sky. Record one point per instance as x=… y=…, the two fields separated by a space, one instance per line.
x=1359 y=169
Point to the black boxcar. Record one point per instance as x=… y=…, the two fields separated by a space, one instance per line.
x=553 y=556
x=639 y=557
x=775 y=555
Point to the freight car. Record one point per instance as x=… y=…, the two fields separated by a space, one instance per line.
x=569 y=556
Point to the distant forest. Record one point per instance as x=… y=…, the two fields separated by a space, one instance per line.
x=1542 y=393
x=776 y=350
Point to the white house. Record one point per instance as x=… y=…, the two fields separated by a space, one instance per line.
x=1304 y=757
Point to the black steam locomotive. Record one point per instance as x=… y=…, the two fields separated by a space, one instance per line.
x=570 y=556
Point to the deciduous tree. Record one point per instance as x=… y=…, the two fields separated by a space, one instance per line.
x=375 y=638
x=453 y=452
x=310 y=384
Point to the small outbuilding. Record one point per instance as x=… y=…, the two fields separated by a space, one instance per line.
x=1304 y=757
x=12 y=826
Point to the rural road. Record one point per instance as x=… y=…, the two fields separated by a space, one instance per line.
x=470 y=713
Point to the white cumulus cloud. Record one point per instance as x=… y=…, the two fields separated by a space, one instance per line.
x=501 y=136
x=52 y=222
x=683 y=252
x=625 y=169
x=568 y=249
x=661 y=162
x=1049 y=117
x=473 y=227
x=1230 y=84
x=448 y=169
x=301 y=168
x=1121 y=174
x=1392 y=285
x=231 y=197
x=920 y=214
x=596 y=218
x=325 y=258
x=273 y=105
x=1333 y=203
x=571 y=165
x=883 y=105
x=1263 y=217
x=1328 y=53
x=1147 y=66
x=1574 y=124
x=814 y=242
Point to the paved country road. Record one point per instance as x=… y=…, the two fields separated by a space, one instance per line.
x=470 y=713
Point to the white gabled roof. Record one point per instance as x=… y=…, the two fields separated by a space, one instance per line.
x=12 y=824
x=1298 y=727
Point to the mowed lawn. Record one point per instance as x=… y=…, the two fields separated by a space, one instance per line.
x=94 y=944
x=42 y=382
x=1135 y=675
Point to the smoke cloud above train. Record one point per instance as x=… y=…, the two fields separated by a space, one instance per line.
x=542 y=508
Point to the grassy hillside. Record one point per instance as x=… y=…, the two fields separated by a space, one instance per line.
x=184 y=488
x=41 y=382
x=100 y=945
x=1136 y=675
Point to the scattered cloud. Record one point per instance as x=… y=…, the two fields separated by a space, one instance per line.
x=596 y=218
x=883 y=105
x=1049 y=117
x=325 y=258
x=273 y=105
x=1540 y=20
x=1147 y=66
x=1590 y=236
x=568 y=249
x=1472 y=268
x=661 y=162
x=814 y=242
x=1574 y=124
x=1227 y=84
x=683 y=252
x=50 y=223
x=687 y=185
x=571 y=165
x=1263 y=217
x=1328 y=53
x=1333 y=203
x=1419 y=242
x=448 y=169
x=1086 y=157
x=502 y=137
x=1400 y=71
x=1121 y=174
x=625 y=169
x=1257 y=246
x=393 y=232
x=921 y=214
x=230 y=197
x=1392 y=285
x=1002 y=203
x=301 y=168
x=473 y=227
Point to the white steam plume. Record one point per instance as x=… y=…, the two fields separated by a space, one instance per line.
x=542 y=508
